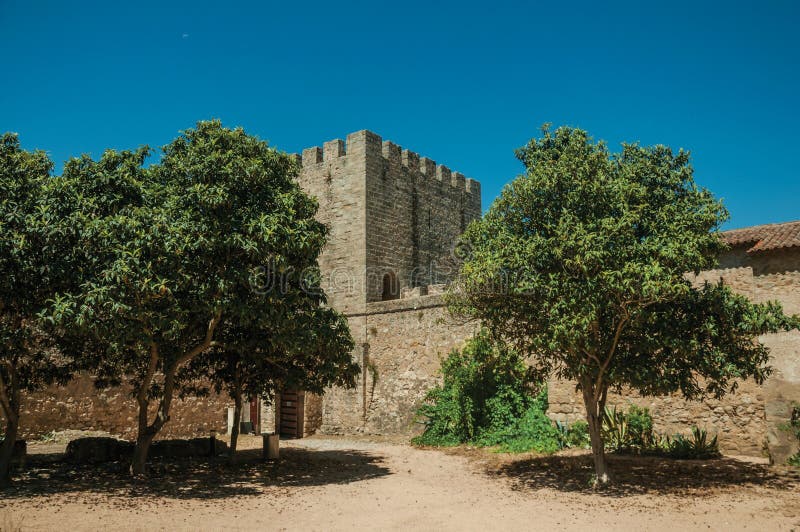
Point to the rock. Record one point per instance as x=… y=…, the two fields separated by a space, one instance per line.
x=19 y=454
x=97 y=450
x=191 y=448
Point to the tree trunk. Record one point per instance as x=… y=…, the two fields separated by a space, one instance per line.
x=237 y=421
x=147 y=432
x=594 y=417
x=144 y=437
x=139 y=461
x=7 y=449
x=9 y=404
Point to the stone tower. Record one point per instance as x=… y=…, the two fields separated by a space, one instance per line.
x=394 y=218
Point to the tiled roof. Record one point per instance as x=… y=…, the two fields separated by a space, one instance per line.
x=765 y=237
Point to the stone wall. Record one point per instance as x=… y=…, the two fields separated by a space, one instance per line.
x=337 y=179
x=416 y=211
x=402 y=343
x=80 y=406
x=748 y=422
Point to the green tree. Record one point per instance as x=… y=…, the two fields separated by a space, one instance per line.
x=32 y=270
x=309 y=348
x=584 y=263
x=178 y=258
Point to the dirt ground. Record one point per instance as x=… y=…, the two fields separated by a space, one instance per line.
x=342 y=484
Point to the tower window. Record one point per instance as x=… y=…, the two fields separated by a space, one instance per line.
x=391 y=288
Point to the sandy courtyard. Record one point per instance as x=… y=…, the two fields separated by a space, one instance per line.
x=345 y=484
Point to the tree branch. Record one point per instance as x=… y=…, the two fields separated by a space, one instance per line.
x=207 y=342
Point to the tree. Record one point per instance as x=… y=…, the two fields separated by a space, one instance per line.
x=32 y=270
x=584 y=263
x=309 y=348
x=178 y=259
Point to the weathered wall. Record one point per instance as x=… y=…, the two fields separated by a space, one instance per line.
x=336 y=177
x=748 y=421
x=402 y=343
x=80 y=406
x=416 y=210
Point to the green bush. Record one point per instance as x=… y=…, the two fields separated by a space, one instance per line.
x=794 y=427
x=628 y=432
x=484 y=388
x=487 y=398
x=575 y=435
x=696 y=447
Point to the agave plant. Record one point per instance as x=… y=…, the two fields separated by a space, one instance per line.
x=698 y=447
x=615 y=429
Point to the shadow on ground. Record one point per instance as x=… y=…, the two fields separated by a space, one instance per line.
x=633 y=475
x=199 y=478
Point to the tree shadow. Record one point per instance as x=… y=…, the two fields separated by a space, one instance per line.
x=197 y=478
x=635 y=475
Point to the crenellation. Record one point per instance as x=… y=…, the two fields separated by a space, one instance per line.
x=364 y=143
x=312 y=156
x=333 y=149
x=473 y=187
x=459 y=181
x=443 y=173
x=427 y=167
x=410 y=160
x=391 y=152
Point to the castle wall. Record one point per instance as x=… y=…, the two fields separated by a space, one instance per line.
x=402 y=343
x=335 y=175
x=749 y=420
x=416 y=211
x=80 y=406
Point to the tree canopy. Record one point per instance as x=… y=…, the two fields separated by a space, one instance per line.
x=175 y=263
x=585 y=264
x=33 y=267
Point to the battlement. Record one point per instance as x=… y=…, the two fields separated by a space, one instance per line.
x=365 y=143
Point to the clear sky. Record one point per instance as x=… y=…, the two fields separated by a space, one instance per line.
x=463 y=83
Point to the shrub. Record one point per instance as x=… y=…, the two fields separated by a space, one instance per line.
x=630 y=431
x=696 y=447
x=573 y=436
x=487 y=398
x=794 y=427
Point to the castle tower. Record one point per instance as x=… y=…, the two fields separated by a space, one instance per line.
x=394 y=218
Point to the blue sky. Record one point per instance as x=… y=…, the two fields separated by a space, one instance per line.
x=463 y=83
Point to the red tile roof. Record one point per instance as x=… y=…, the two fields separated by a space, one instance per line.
x=765 y=237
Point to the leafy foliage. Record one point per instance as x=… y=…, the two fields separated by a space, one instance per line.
x=33 y=267
x=487 y=398
x=573 y=435
x=698 y=447
x=581 y=264
x=793 y=426
x=630 y=431
x=211 y=245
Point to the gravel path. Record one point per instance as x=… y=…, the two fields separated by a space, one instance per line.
x=342 y=484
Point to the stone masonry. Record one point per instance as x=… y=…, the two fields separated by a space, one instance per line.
x=394 y=219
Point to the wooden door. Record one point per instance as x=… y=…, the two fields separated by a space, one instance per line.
x=291 y=414
x=255 y=415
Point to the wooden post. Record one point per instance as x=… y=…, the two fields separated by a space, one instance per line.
x=271 y=450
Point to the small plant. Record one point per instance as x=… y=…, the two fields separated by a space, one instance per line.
x=794 y=427
x=628 y=432
x=50 y=437
x=574 y=436
x=697 y=447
